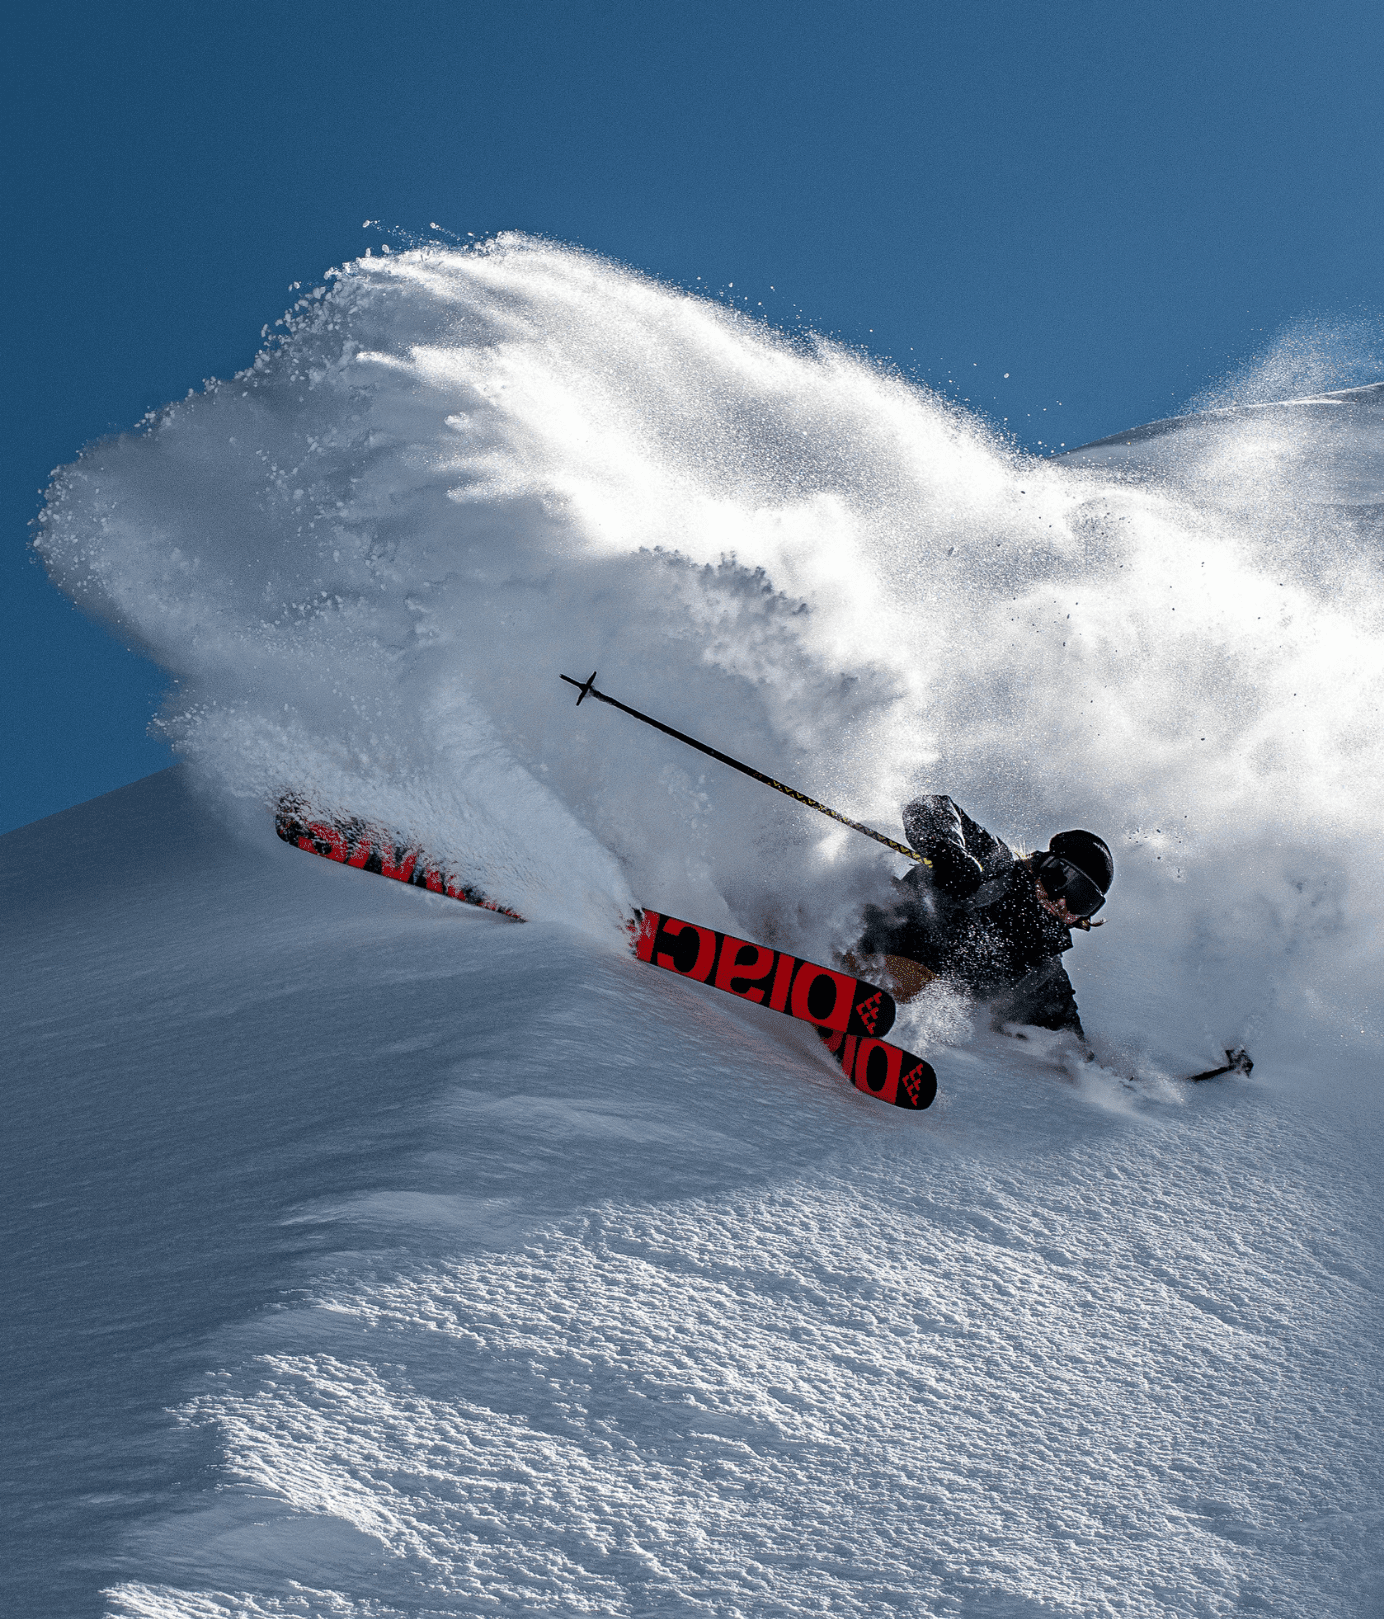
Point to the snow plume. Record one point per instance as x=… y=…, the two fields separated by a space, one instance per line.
x=1312 y=355
x=459 y=473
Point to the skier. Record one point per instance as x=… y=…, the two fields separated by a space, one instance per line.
x=996 y=922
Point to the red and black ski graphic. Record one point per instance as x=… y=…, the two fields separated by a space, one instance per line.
x=755 y=972
x=848 y=1013
x=354 y=843
x=879 y=1069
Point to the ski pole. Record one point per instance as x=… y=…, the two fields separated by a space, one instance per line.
x=587 y=688
x=1236 y=1062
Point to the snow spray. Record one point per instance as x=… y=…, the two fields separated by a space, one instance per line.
x=458 y=472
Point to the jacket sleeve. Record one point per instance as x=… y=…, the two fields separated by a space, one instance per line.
x=937 y=830
x=932 y=821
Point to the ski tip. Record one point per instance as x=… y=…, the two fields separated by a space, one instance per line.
x=351 y=841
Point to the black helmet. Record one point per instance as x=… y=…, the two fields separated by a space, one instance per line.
x=1078 y=868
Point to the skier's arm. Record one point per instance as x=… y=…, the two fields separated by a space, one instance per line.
x=933 y=825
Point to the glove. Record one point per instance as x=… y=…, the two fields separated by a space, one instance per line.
x=954 y=872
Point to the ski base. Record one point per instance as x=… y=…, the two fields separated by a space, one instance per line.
x=879 y=1069
x=757 y=972
x=849 y=1014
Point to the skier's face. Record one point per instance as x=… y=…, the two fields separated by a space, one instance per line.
x=1057 y=907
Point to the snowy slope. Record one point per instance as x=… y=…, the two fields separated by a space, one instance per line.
x=374 y=1255
x=370 y=1254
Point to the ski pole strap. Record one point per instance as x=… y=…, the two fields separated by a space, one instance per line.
x=587 y=688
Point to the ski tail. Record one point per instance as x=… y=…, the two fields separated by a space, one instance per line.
x=354 y=842
x=879 y=1069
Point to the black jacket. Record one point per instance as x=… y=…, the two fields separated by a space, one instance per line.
x=972 y=916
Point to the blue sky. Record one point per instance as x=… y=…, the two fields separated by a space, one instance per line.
x=1115 y=205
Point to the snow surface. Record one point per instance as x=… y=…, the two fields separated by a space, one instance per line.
x=368 y=1254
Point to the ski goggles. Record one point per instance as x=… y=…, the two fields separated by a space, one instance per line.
x=1062 y=880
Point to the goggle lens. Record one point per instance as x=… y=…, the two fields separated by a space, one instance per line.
x=1062 y=880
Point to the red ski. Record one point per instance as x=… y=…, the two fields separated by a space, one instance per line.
x=783 y=983
x=354 y=843
x=879 y=1069
x=848 y=1013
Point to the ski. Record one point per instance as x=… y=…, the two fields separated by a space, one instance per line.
x=756 y=972
x=355 y=843
x=849 y=1014
x=879 y=1069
